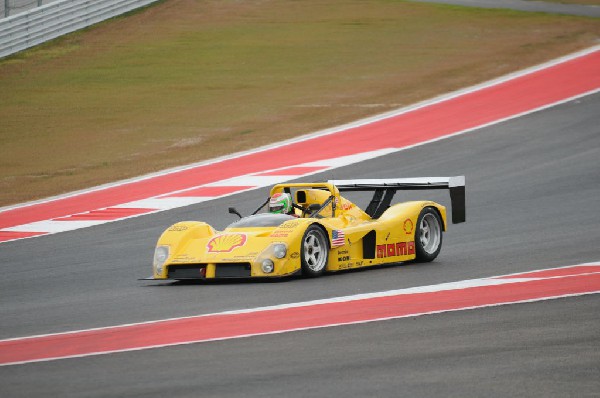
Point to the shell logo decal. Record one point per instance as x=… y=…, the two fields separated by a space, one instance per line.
x=226 y=243
x=408 y=226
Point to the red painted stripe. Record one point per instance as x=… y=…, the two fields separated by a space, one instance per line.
x=206 y=192
x=293 y=171
x=10 y=235
x=468 y=111
x=223 y=326
x=105 y=214
x=579 y=270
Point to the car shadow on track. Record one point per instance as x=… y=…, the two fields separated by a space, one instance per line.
x=283 y=279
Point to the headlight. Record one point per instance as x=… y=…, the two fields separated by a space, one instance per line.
x=266 y=260
x=161 y=254
x=267 y=266
x=279 y=250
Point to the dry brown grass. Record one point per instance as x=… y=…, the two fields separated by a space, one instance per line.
x=186 y=80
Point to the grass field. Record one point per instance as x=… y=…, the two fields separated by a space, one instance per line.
x=184 y=80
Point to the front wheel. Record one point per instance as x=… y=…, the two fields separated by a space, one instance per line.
x=315 y=251
x=428 y=236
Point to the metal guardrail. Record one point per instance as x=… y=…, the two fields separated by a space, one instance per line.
x=58 y=18
x=13 y=7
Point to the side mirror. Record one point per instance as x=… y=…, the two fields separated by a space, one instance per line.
x=232 y=210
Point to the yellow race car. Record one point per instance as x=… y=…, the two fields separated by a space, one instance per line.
x=321 y=232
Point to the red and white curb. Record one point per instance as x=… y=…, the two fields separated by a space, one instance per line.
x=483 y=105
x=185 y=197
x=524 y=287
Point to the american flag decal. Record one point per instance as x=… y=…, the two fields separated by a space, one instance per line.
x=337 y=238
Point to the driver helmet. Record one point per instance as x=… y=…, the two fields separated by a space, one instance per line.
x=280 y=203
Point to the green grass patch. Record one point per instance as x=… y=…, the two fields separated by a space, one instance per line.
x=186 y=81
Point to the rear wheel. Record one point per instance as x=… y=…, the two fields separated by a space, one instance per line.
x=315 y=251
x=428 y=236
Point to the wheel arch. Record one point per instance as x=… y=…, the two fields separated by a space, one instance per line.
x=325 y=231
x=412 y=209
x=182 y=232
x=440 y=215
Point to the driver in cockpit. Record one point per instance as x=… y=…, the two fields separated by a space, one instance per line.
x=281 y=203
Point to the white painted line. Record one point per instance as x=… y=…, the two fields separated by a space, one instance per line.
x=251 y=181
x=52 y=226
x=348 y=160
x=165 y=203
x=458 y=285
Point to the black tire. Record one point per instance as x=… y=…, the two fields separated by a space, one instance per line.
x=428 y=235
x=314 y=251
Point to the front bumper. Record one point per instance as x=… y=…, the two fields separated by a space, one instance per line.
x=237 y=270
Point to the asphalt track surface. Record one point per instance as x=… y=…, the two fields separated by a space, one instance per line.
x=533 y=194
x=527 y=5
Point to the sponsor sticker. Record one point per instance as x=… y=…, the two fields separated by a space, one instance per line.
x=337 y=238
x=178 y=228
x=290 y=224
x=395 y=249
x=408 y=226
x=226 y=243
x=280 y=234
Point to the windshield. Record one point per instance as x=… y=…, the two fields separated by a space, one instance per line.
x=261 y=220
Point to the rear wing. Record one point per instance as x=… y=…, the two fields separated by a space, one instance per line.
x=385 y=189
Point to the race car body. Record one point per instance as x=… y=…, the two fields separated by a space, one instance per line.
x=324 y=232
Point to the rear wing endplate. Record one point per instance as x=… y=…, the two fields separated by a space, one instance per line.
x=456 y=186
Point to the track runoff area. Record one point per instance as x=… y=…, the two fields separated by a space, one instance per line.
x=509 y=97
x=457 y=113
